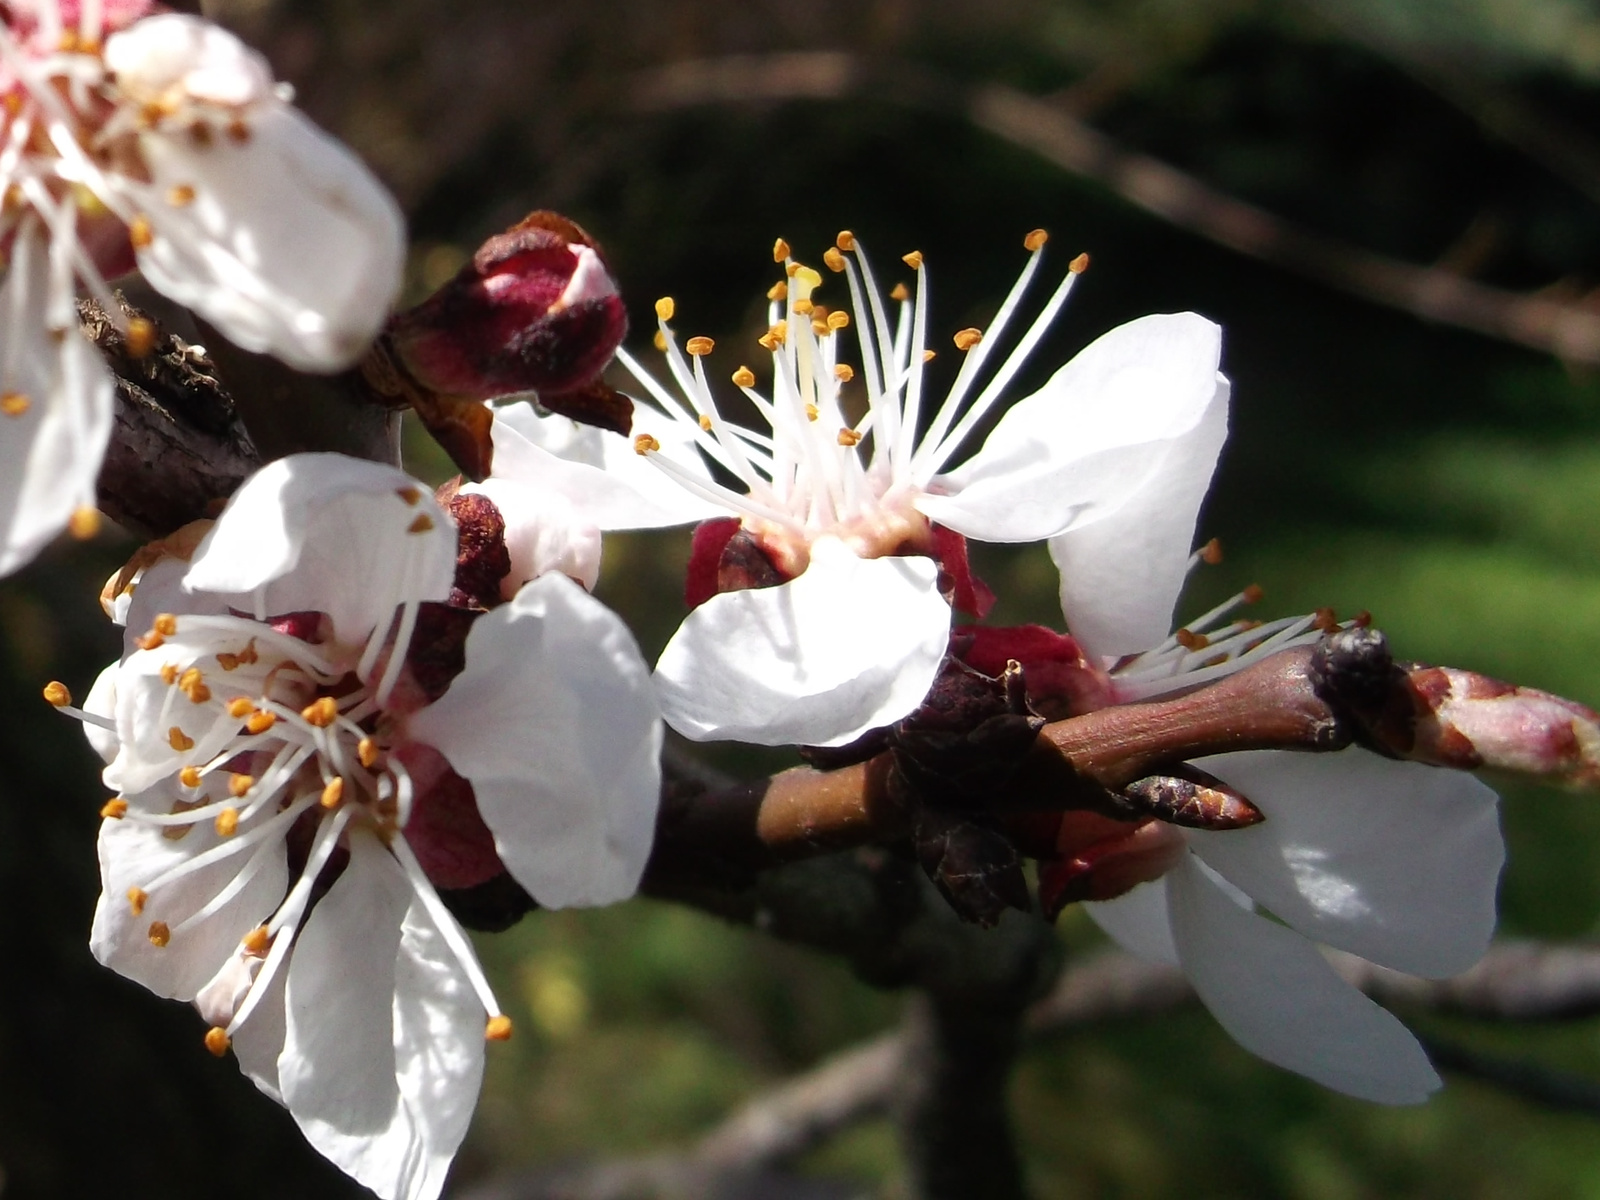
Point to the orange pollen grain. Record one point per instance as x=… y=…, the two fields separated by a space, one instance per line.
x=913 y=260
x=84 y=523
x=645 y=443
x=240 y=707
x=698 y=346
x=136 y=900
x=367 y=752
x=838 y=320
x=498 y=1029
x=178 y=740
x=227 y=822
x=665 y=307
x=333 y=792
x=846 y=240
x=114 y=809
x=165 y=624
x=968 y=338
x=1034 y=240
x=261 y=721
x=239 y=785
x=1079 y=265
x=169 y=674
x=56 y=693
x=257 y=942
x=159 y=934
x=901 y=293
x=217 y=1040
x=744 y=377
x=803 y=307
x=180 y=195
x=779 y=290
x=844 y=372
x=849 y=437
x=812 y=412
x=1211 y=552
x=189 y=777
x=321 y=712
x=833 y=260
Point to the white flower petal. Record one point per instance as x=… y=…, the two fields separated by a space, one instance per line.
x=1396 y=862
x=556 y=726
x=159 y=589
x=598 y=472
x=288 y=245
x=438 y=1045
x=327 y=533
x=1121 y=575
x=50 y=453
x=848 y=645
x=258 y=1043
x=1278 y=998
x=337 y=1071
x=102 y=702
x=132 y=853
x=1138 y=922
x=1093 y=435
x=543 y=533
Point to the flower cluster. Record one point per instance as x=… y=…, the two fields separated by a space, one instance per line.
x=349 y=709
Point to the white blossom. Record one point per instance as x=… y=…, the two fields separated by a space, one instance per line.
x=280 y=783
x=162 y=142
x=848 y=507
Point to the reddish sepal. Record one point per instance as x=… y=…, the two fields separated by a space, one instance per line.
x=965 y=591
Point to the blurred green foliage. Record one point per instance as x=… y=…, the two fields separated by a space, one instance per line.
x=1446 y=483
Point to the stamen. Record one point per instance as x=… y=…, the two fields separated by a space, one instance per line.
x=780 y=250
x=239 y=785
x=409 y=495
x=645 y=444
x=698 y=346
x=140 y=232
x=159 y=934
x=321 y=712
x=913 y=260
x=114 y=809
x=498 y=1029
x=227 y=822
x=84 y=523
x=257 y=942
x=189 y=777
x=900 y=293
x=665 y=308
x=833 y=260
x=218 y=1041
x=14 y=404
x=56 y=694
x=744 y=377
x=1079 y=265
x=1035 y=241
x=261 y=720
x=136 y=900
x=241 y=707
x=844 y=372
x=367 y=752
x=333 y=792
x=178 y=740
x=778 y=291
x=421 y=524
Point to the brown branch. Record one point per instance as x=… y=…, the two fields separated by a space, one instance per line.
x=1432 y=293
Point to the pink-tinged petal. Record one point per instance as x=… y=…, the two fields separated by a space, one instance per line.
x=1095 y=434
x=1121 y=575
x=54 y=430
x=269 y=228
x=132 y=854
x=1278 y=998
x=598 y=472
x=848 y=645
x=554 y=723
x=327 y=533
x=338 y=1068
x=1397 y=862
x=1138 y=922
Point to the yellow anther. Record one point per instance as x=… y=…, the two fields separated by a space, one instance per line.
x=178 y=740
x=14 y=404
x=136 y=900
x=665 y=307
x=498 y=1029
x=660 y=341
x=140 y=232
x=260 y=721
x=929 y=356
x=114 y=809
x=1211 y=552
x=833 y=260
x=968 y=338
x=84 y=522
x=217 y=1040
x=901 y=293
x=820 y=328
x=409 y=494
x=238 y=131
x=1035 y=239
x=159 y=934
x=321 y=712
x=802 y=307
x=1190 y=640
x=1079 y=265
x=1253 y=593
x=849 y=437
x=780 y=250
x=165 y=624
x=169 y=674
x=190 y=777
x=367 y=752
x=774 y=337
x=228 y=662
x=812 y=412
x=240 y=707
x=333 y=792
x=808 y=276
x=257 y=942
x=698 y=346
x=180 y=196
x=846 y=240
x=227 y=822
x=199 y=693
x=705 y=419
x=838 y=320
x=68 y=41
x=188 y=679
x=141 y=336
x=239 y=785
x=57 y=694
x=421 y=524
x=645 y=443
x=913 y=260
x=779 y=290
x=844 y=372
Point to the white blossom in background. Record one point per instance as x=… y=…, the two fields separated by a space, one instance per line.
x=159 y=142
x=849 y=509
x=257 y=759
x=1396 y=862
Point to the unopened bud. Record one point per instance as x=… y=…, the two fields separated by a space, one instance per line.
x=1470 y=721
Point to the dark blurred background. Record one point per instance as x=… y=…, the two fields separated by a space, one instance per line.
x=1446 y=480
